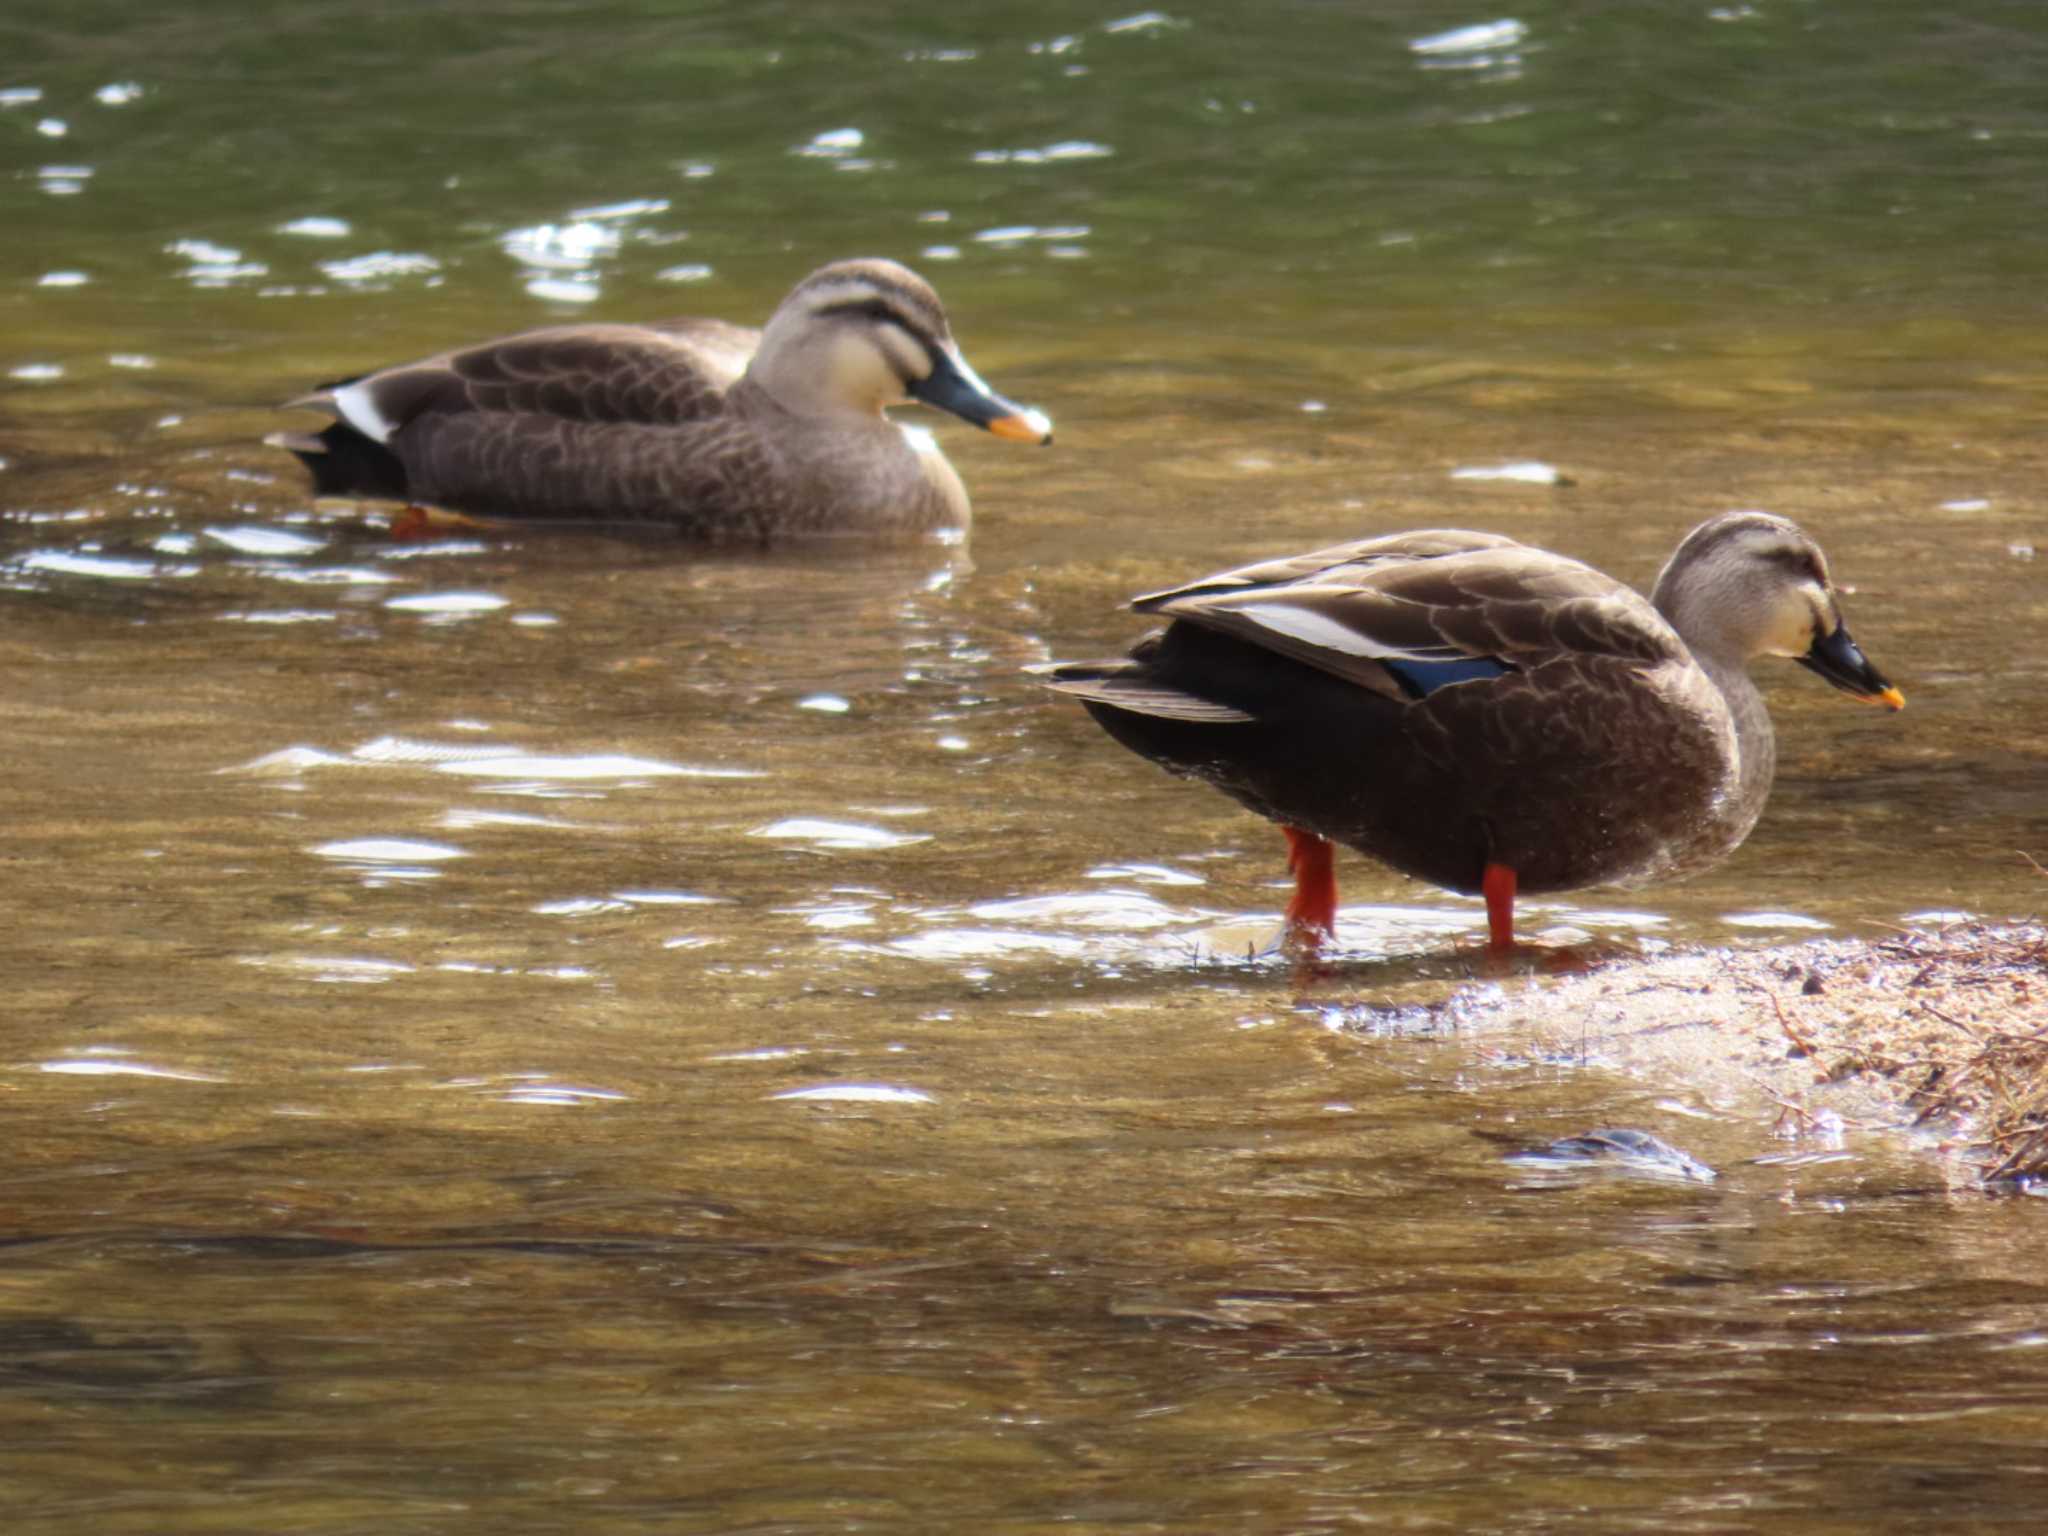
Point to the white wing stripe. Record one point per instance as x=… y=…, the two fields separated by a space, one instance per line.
x=1325 y=633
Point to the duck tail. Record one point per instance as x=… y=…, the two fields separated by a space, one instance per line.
x=343 y=462
x=1127 y=686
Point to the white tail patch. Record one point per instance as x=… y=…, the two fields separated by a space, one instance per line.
x=357 y=405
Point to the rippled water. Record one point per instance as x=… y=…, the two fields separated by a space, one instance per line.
x=532 y=1033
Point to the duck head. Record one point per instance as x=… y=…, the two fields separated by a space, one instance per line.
x=1748 y=584
x=856 y=337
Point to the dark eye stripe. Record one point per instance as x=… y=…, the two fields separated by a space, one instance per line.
x=876 y=310
x=1800 y=562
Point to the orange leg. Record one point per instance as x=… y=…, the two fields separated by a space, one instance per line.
x=415 y=522
x=1312 y=912
x=1498 y=886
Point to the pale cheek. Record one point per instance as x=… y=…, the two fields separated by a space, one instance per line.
x=860 y=373
x=1799 y=624
x=1799 y=634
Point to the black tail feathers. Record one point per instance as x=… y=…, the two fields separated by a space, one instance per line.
x=346 y=463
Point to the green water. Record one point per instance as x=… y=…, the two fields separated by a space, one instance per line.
x=546 y=1035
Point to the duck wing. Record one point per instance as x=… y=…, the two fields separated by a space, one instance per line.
x=1405 y=615
x=668 y=374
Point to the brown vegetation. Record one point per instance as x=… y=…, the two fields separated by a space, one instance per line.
x=1945 y=1028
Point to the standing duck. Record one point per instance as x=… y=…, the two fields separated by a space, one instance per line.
x=727 y=435
x=1480 y=714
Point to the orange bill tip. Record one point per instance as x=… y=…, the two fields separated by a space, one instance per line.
x=1024 y=427
x=1891 y=698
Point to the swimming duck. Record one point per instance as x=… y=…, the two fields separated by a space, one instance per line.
x=726 y=434
x=1480 y=714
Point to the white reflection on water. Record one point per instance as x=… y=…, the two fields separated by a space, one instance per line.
x=1489 y=50
x=279 y=616
x=331 y=576
x=462 y=818
x=1527 y=471
x=1014 y=234
x=820 y=833
x=347 y=969
x=114 y=1061
x=832 y=144
x=1481 y=37
x=632 y=208
x=264 y=541
x=856 y=1093
x=1065 y=149
x=564 y=290
x=448 y=604
x=378 y=268
x=1774 y=920
x=214 y=266
x=400 y=749
x=563 y=261
x=386 y=859
x=570 y=247
x=316 y=227
x=64 y=180
x=511 y=766
x=561 y=1095
x=598 y=765
x=1144 y=21
x=833 y=916
x=1145 y=874
x=105 y=567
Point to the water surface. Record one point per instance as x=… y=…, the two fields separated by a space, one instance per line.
x=538 y=1034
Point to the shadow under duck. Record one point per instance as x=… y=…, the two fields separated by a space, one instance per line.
x=1480 y=714
x=725 y=434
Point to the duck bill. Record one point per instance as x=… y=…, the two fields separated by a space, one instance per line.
x=953 y=386
x=1841 y=661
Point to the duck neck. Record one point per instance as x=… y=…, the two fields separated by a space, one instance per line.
x=1727 y=668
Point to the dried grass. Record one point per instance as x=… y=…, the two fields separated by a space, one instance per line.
x=1956 y=1019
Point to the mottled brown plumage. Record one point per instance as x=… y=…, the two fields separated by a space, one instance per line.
x=726 y=434
x=1457 y=703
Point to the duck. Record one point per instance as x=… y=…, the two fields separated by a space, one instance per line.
x=1480 y=714
x=724 y=434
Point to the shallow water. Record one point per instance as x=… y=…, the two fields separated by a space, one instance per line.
x=527 y=1033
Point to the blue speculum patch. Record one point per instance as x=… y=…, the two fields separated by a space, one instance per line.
x=1422 y=678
